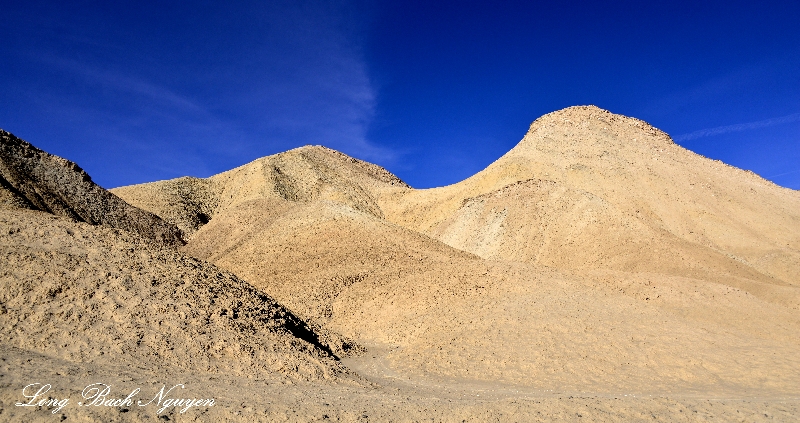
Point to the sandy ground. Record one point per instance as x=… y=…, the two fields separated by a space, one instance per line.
x=395 y=400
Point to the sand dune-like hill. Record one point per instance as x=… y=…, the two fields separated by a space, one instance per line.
x=92 y=294
x=33 y=179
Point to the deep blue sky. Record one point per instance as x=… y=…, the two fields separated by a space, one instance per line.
x=433 y=91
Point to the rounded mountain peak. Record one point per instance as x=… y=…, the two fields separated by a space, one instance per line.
x=592 y=117
x=589 y=130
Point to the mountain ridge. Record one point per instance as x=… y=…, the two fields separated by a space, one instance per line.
x=33 y=179
x=650 y=182
x=298 y=175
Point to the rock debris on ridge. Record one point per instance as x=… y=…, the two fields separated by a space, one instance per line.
x=33 y=179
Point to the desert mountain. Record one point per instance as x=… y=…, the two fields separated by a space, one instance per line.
x=588 y=189
x=33 y=179
x=596 y=255
x=299 y=175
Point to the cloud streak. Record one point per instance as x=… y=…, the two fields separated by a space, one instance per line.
x=319 y=92
x=123 y=83
x=158 y=101
x=738 y=127
x=782 y=174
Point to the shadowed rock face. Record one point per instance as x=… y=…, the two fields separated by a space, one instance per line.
x=33 y=179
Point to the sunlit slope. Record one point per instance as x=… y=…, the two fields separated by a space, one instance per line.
x=524 y=276
x=300 y=175
x=586 y=188
x=438 y=313
x=100 y=296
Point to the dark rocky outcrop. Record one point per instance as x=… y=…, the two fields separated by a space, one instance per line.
x=34 y=179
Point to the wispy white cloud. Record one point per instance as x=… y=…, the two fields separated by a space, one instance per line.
x=297 y=76
x=149 y=130
x=316 y=87
x=782 y=174
x=707 y=132
x=119 y=81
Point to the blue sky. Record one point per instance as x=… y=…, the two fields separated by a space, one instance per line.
x=433 y=91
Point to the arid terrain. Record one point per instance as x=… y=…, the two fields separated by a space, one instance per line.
x=596 y=272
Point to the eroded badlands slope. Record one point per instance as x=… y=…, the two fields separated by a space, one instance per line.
x=98 y=295
x=580 y=277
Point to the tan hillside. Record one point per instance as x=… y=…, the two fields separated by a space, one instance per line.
x=97 y=295
x=586 y=285
x=589 y=189
x=33 y=179
x=299 y=175
x=438 y=313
